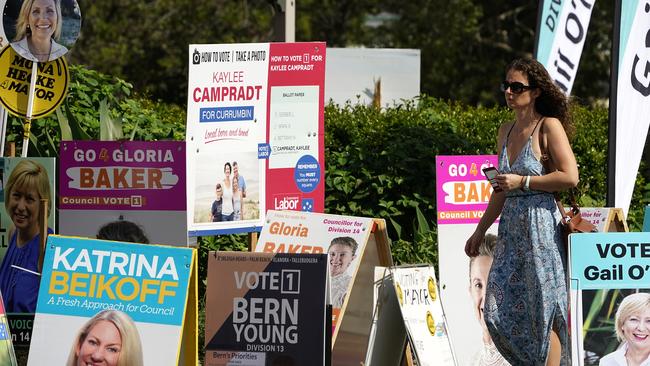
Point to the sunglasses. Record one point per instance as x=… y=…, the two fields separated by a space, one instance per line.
x=515 y=87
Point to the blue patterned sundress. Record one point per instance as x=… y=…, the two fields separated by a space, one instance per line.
x=526 y=295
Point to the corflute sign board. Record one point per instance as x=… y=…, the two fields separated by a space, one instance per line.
x=255 y=133
x=141 y=297
x=266 y=309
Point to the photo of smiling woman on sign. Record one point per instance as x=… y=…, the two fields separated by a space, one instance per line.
x=28 y=183
x=342 y=251
x=43 y=30
x=109 y=338
x=632 y=324
x=479 y=269
x=37 y=29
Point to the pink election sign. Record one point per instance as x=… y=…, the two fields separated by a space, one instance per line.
x=462 y=189
x=126 y=175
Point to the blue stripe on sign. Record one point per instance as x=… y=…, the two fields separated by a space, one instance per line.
x=548 y=29
x=226 y=114
x=628 y=12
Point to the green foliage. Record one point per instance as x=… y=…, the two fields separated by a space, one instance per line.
x=110 y=129
x=340 y=23
x=147 y=41
x=100 y=107
x=380 y=163
x=215 y=243
x=464 y=44
x=591 y=153
x=591 y=148
x=423 y=248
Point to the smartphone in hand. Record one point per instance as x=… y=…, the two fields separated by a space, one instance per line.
x=491 y=174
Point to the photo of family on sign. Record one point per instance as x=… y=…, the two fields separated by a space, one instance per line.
x=230 y=193
x=227 y=190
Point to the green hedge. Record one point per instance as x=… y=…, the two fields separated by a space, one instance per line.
x=139 y=116
x=380 y=163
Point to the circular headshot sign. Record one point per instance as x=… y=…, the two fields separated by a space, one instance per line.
x=52 y=80
x=41 y=30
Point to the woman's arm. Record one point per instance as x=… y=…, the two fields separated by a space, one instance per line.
x=493 y=210
x=494 y=207
x=563 y=167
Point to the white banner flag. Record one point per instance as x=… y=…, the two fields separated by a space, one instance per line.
x=632 y=97
x=561 y=35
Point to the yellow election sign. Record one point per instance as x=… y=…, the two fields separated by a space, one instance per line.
x=51 y=84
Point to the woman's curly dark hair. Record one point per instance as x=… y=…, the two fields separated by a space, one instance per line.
x=551 y=102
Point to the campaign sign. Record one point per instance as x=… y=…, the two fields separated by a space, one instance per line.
x=137 y=181
x=607 y=271
x=388 y=332
x=7 y=355
x=631 y=86
x=561 y=33
x=136 y=293
x=463 y=193
x=7 y=166
x=343 y=238
x=254 y=133
x=265 y=309
x=51 y=87
x=20 y=272
x=419 y=299
x=597 y=216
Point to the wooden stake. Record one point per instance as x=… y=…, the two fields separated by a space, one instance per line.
x=30 y=106
x=3 y=131
x=252 y=241
x=42 y=227
x=11 y=149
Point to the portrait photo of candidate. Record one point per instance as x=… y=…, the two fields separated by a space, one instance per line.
x=479 y=270
x=109 y=338
x=632 y=328
x=27 y=184
x=41 y=30
x=606 y=336
x=341 y=253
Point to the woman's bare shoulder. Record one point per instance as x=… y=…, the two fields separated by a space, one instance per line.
x=551 y=123
x=553 y=129
x=505 y=127
x=503 y=131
